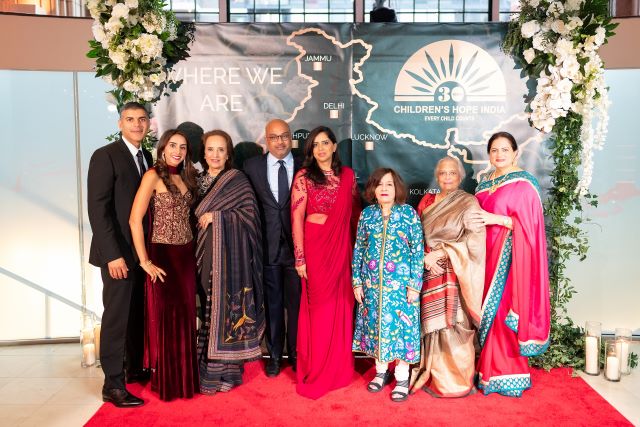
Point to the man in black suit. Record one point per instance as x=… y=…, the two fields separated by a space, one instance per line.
x=271 y=176
x=115 y=172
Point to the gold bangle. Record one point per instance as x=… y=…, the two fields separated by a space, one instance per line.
x=146 y=263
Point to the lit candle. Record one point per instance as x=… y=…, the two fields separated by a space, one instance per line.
x=368 y=145
x=317 y=66
x=89 y=354
x=622 y=350
x=334 y=114
x=96 y=335
x=591 y=355
x=613 y=368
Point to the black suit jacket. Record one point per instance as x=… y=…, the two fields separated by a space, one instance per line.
x=112 y=183
x=276 y=219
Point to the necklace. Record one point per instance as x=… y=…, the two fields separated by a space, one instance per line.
x=498 y=181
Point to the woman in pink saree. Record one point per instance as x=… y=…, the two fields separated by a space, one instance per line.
x=515 y=318
x=324 y=212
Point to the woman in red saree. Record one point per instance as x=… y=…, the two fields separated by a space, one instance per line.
x=324 y=211
x=515 y=318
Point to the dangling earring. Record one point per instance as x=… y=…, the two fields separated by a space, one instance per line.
x=184 y=163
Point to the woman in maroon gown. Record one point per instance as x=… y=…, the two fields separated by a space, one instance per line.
x=169 y=261
x=324 y=212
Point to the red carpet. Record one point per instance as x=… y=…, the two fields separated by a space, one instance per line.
x=555 y=399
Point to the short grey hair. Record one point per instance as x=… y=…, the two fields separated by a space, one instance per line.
x=461 y=172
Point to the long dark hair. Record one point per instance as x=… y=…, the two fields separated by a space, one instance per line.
x=314 y=173
x=187 y=173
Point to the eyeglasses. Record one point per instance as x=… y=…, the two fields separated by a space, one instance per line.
x=285 y=137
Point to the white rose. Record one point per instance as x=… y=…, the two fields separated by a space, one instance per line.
x=555 y=9
x=150 y=45
x=529 y=55
x=570 y=68
x=573 y=23
x=533 y=3
x=147 y=95
x=119 y=58
x=130 y=87
x=564 y=48
x=113 y=26
x=150 y=23
x=600 y=36
x=539 y=43
x=559 y=27
x=119 y=11
x=565 y=86
x=572 y=5
x=131 y=4
x=529 y=29
x=98 y=32
x=590 y=44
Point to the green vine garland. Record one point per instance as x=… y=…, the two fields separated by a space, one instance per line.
x=564 y=207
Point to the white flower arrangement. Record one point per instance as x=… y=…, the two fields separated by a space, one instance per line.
x=136 y=43
x=558 y=41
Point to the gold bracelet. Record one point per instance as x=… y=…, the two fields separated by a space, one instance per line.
x=146 y=263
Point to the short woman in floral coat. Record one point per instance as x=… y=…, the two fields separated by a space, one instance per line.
x=387 y=278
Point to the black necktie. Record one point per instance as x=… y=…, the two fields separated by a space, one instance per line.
x=283 y=184
x=140 y=162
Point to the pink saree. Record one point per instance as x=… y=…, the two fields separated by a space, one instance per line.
x=515 y=318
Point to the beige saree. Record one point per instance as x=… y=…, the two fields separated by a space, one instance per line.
x=450 y=302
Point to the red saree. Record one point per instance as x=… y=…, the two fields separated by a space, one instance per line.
x=325 y=324
x=515 y=311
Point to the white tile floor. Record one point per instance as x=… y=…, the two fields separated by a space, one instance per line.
x=44 y=385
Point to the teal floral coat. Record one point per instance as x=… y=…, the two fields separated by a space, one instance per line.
x=386 y=261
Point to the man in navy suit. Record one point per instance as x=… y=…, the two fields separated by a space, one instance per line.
x=115 y=172
x=271 y=176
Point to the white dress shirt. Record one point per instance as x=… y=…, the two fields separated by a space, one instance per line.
x=272 y=171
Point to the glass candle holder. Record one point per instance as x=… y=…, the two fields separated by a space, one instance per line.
x=611 y=362
x=97 y=327
x=87 y=342
x=592 y=337
x=623 y=342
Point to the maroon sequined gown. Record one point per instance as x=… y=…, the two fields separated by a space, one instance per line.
x=170 y=338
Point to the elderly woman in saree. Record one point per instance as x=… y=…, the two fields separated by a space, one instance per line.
x=452 y=289
x=515 y=310
x=229 y=261
x=387 y=277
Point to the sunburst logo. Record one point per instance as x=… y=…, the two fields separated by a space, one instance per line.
x=450 y=71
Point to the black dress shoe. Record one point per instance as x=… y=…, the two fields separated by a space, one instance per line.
x=294 y=363
x=273 y=367
x=121 y=398
x=138 y=376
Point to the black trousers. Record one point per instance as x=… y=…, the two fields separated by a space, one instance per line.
x=122 y=333
x=281 y=292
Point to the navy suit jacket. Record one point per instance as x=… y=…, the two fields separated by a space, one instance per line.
x=276 y=219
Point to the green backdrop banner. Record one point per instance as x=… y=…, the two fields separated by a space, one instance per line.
x=396 y=95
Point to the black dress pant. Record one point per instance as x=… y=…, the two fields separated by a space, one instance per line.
x=122 y=333
x=281 y=291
